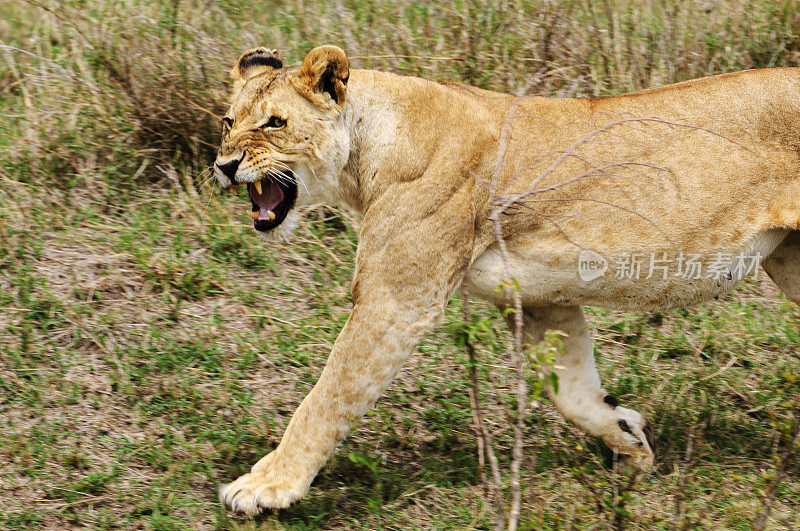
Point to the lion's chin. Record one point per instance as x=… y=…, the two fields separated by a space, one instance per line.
x=283 y=231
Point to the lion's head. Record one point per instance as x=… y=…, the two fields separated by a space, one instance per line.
x=281 y=135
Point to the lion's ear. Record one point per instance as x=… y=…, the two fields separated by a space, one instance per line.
x=326 y=71
x=255 y=61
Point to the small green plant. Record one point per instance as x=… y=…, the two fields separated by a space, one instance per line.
x=373 y=464
x=542 y=359
x=474 y=332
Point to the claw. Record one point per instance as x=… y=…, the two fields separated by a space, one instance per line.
x=650 y=435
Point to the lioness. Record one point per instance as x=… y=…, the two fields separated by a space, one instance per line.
x=652 y=200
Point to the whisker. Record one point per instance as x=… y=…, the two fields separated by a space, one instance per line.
x=278 y=175
x=209 y=177
x=284 y=178
x=314 y=174
x=282 y=165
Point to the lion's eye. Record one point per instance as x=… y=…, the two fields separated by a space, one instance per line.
x=274 y=123
x=227 y=123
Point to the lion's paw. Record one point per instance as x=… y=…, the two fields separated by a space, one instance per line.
x=259 y=490
x=638 y=449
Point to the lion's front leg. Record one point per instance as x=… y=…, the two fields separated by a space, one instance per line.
x=581 y=398
x=414 y=247
x=371 y=348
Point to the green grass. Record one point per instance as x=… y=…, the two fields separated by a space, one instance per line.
x=129 y=394
x=152 y=347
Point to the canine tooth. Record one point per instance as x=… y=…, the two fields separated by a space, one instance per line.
x=257 y=184
x=271 y=215
x=253 y=215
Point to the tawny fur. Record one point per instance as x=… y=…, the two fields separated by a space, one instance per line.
x=705 y=166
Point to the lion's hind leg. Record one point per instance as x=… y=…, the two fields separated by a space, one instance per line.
x=783 y=266
x=581 y=398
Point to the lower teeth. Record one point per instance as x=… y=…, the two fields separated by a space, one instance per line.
x=269 y=216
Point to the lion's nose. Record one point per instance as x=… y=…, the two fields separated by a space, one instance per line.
x=229 y=168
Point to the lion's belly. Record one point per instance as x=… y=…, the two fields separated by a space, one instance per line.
x=642 y=281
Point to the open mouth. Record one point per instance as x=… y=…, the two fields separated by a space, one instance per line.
x=272 y=199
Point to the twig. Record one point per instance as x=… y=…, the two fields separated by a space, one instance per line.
x=197 y=105
x=396 y=56
x=500 y=206
x=569 y=152
x=484 y=441
x=680 y=493
x=780 y=472
x=519 y=355
x=620 y=494
x=477 y=421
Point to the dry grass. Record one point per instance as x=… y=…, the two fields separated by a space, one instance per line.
x=149 y=77
x=151 y=347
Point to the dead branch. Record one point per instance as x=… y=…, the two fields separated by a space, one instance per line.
x=502 y=204
x=519 y=355
x=780 y=473
x=569 y=152
x=485 y=446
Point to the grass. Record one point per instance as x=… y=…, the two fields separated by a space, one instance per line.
x=151 y=347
